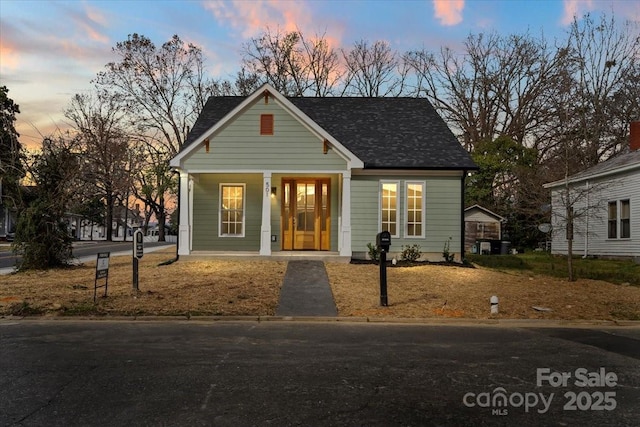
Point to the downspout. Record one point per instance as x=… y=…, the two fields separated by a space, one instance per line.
x=171 y=261
x=462 y=225
x=586 y=234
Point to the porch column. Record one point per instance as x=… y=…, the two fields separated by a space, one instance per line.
x=265 y=230
x=184 y=229
x=345 y=231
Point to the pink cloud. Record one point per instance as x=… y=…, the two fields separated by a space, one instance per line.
x=575 y=8
x=251 y=18
x=8 y=56
x=448 y=12
x=91 y=21
x=622 y=10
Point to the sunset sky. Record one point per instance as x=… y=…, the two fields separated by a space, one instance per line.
x=50 y=50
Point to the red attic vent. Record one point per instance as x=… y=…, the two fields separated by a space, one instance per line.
x=266 y=124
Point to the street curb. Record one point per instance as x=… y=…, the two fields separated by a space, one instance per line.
x=513 y=323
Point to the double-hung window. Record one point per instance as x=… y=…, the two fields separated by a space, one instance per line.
x=232 y=202
x=389 y=207
x=612 y=220
x=414 y=225
x=619 y=219
x=625 y=219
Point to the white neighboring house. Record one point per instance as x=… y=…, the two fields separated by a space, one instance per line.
x=82 y=229
x=606 y=205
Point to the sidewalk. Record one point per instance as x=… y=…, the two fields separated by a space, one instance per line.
x=92 y=258
x=306 y=291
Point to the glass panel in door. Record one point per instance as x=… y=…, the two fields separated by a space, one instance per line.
x=305 y=217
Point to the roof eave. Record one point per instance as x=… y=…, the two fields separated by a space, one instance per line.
x=571 y=180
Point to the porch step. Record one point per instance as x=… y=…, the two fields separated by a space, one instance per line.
x=306 y=291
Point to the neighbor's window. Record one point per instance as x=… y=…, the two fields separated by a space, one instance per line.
x=389 y=207
x=415 y=209
x=625 y=217
x=613 y=220
x=266 y=124
x=232 y=210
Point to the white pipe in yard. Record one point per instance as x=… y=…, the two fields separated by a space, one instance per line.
x=494 y=304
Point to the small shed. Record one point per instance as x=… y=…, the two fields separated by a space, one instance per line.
x=481 y=224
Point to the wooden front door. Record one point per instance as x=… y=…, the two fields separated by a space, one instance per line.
x=306 y=214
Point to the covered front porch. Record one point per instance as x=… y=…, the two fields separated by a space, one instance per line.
x=277 y=214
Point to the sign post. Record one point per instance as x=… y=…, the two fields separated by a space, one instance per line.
x=138 y=251
x=102 y=272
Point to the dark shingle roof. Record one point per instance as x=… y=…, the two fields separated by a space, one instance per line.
x=382 y=132
x=610 y=166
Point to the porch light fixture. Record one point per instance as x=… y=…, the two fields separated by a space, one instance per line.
x=274 y=191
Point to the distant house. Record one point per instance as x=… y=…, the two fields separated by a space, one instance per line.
x=610 y=194
x=7 y=218
x=125 y=222
x=481 y=224
x=271 y=175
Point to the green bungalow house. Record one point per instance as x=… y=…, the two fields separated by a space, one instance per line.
x=274 y=176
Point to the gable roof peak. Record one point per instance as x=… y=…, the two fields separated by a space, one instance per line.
x=373 y=133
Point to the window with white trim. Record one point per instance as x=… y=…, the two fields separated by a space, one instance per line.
x=619 y=219
x=612 y=220
x=625 y=219
x=232 y=202
x=414 y=194
x=389 y=207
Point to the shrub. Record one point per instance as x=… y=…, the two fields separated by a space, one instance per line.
x=410 y=253
x=374 y=252
x=448 y=257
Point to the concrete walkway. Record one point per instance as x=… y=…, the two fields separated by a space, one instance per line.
x=305 y=291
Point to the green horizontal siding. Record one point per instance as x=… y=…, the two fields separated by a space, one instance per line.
x=442 y=216
x=239 y=145
x=206 y=205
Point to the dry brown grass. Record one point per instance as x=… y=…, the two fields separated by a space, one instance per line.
x=252 y=288
x=445 y=291
x=194 y=288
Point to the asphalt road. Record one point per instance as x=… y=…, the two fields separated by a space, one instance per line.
x=179 y=373
x=83 y=250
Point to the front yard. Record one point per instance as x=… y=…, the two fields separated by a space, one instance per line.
x=249 y=288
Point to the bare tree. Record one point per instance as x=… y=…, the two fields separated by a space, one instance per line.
x=99 y=120
x=164 y=89
x=500 y=85
x=574 y=207
x=278 y=58
x=607 y=57
x=373 y=70
x=291 y=63
x=154 y=181
x=325 y=69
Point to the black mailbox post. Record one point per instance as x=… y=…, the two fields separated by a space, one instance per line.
x=383 y=241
